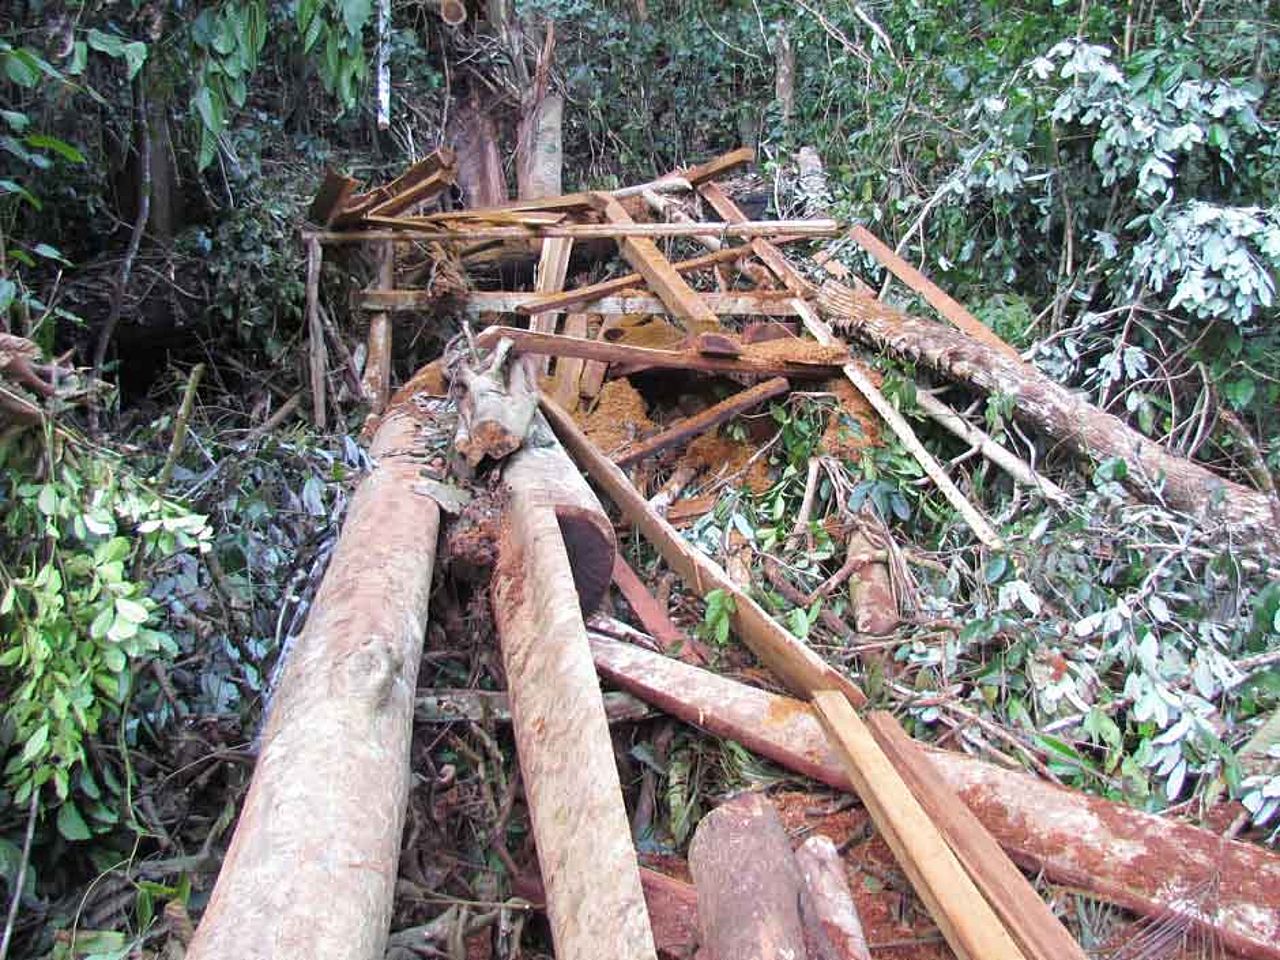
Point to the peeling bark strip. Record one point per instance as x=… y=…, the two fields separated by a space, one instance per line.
x=554 y=562
x=311 y=869
x=749 y=885
x=1136 y=860
x=1059 y=412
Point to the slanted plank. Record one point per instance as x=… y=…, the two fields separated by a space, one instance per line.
x=553 y=268
x=334 y=193
x=569 y=369
x=772 y=257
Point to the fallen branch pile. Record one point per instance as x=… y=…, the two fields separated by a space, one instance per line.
x=517 y=415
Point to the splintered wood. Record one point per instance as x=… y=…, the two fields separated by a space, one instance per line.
x=541 y=396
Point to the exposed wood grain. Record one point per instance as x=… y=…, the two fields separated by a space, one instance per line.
x=410 y=229
x=740 y=303
x=318 y=354
x=654 y=618
x=377 y=364
x=335 y=191
x=772 y=257
x=569 y=369
x=830 y=902
x=553 y=267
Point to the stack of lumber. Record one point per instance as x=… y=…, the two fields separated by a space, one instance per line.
x=519 y=392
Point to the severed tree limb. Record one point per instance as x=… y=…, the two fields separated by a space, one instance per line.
x=829 y=903
x=180 y=427
x=497 y=405
x=898 y=424
x=319 y=359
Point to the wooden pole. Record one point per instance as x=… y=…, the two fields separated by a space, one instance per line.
x=554 y=564
x=319 y=355
x=409 y=229
x=377 y=364
x=311 y=868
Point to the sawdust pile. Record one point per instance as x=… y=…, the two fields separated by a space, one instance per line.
x=841 y=438
x=620 y=417
x=795 y=350
x=722 y=458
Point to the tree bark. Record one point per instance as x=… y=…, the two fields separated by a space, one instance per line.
x=1061 y=413
x=497 y=405
x=829 y=904
x=749 y=886
x=554 y=563
x=311 y=868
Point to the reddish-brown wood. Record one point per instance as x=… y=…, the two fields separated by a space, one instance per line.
x=554 y=562
x=749 y=886
x=653 y=617
x=377 y=364
x=1139 y=861
x=334 y=193
x=700 y=423
x=829 y=904
x=311 y=868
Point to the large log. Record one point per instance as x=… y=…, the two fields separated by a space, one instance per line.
x=749 y=885
x=311 y=868
x=554 y=564
x=1142 y=862
x=830 y=904
x=1059 y=412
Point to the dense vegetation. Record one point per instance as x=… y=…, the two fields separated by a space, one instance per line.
x=1098 y=181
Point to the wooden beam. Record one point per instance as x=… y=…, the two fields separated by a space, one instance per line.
x=581 y=295
x=553 y=268
x=937 y=298
x=699 y=423
x=419 y=229
x=1020 y=908
x=553 y=566
x=654 y=618
x=318 y=355
x=970 y=925
x=772 y=257
x=335 y=190
x=377 y=364
x=762 y=303
x=896 y=422
x=569 y=369
x=421 y=192
x=528 y=341
x=795 y=664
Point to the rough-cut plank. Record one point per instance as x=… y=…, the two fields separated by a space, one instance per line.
x=749 y=886
x=605 y=288
x=830 y=902
x=969 y=924
x=1032 y=924
x=740 y=303
x=673 y=914
x=421 y=192
x=549 y=571
x=1137 y=860
x=594 y=372
x=311 y=868
x=569 y=369
x=553 y=267
x=319 y=356
x=335 y=190
x=772 y=257
x=420 y=228
x=654 y=618
x=1061 y=413
x=791 y=661
x=527 y=341
x=898 y=424
x=699 y=423
x=954 y=313
x=643 y=255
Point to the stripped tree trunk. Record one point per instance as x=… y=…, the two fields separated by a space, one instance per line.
x=554 y=563
x=830 y=904
x=311 y=869
x=1061 y=413
x=749 y=886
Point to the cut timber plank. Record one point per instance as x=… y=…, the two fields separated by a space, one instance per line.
x=1024 y=913
x=937 y=298
x=791 y=661
x=569 y=369
x=554 y=544
x=315 y=334
x=701 y=422
x=762 y=303
x=594 y=372
x=898 y=424
x=421 y=192
x=772 y=257
x=553 y=267
x=335 y=190
x=377 y=365
x=654 y=618
x=581 y=295
x=419 y=229
x=1102 y=847
x=643 y=254
x=527 y=341
x=967 y=921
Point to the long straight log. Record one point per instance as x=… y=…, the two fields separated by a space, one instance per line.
x=1059 y=412
x=1151 y=865
x=700 y=423
x=311 y=868
x=749 y=885
x=413 y=229
x=556 y=345
x=554 y=564
x=766 y=303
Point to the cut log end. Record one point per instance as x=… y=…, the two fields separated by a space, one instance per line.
x=591 y=547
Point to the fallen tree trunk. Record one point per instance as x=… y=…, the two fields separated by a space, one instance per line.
x=1059 y=412
x=554 y=564
x=749 y=885
x=311 y=868
x=829 y=904
x=1139 y=861
x=497 y=405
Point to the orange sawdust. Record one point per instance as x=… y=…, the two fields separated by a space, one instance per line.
x=796 y=350
x=841 y=439
x=646 y=330
x=721 y=458
x=619 y=418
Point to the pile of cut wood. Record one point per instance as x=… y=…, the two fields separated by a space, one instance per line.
x=536 y=425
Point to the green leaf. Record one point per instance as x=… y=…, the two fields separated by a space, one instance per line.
x=22 y=68
x=103 y=622
x=132 y=611
x=135 y=55
x=42 y=141
x=36 y=743
x=355 y=14
x=210 y=107
x=105 y=43
x=18 y=122
x=70 y=824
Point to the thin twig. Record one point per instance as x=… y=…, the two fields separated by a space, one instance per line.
x=19 y=881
